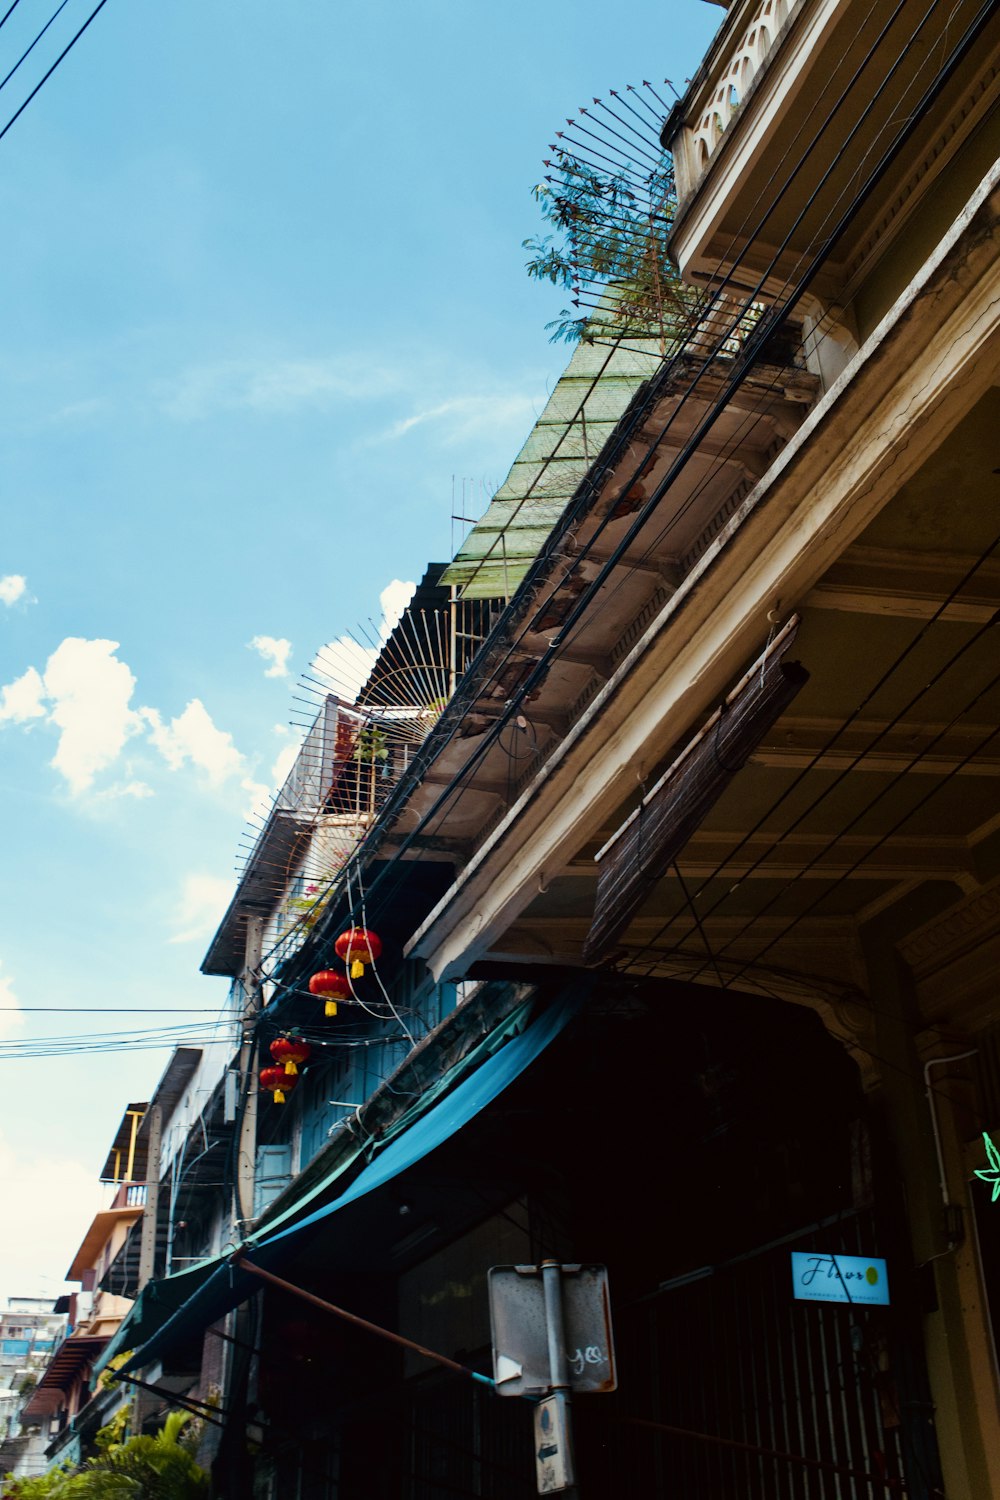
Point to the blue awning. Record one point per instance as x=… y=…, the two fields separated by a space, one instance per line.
x=227 y=1286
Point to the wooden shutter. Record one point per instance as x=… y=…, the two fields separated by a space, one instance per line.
x=648 y=842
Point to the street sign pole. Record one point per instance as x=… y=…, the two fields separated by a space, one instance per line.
x=563 y=1475
x=552 y=1339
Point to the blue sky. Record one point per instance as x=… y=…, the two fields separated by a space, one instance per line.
x=265 y=313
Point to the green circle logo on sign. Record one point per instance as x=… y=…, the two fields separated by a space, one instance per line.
x=871 y=1276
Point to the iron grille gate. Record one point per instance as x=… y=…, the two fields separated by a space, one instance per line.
x=730 y=1390
x=735 y=1356
x=728 y=1355
x=464 y=1441
x=731 y=1355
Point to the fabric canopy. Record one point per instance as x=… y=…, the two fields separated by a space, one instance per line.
x=225 y=1286
x=161 y=1298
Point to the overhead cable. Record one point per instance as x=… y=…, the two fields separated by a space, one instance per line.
x=48 y=74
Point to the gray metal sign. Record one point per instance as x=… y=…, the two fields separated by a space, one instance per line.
x=521 y=1362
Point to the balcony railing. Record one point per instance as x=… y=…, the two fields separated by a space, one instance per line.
x=130 y=1195
x=722 y=95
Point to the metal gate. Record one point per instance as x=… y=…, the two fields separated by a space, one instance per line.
x=462 y=1440
x=732 y=1390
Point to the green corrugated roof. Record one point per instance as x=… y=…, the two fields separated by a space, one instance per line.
x=579 y=417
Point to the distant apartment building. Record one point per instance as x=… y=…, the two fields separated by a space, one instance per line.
x=30 y=1329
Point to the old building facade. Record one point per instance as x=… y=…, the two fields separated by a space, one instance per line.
x=688 y=881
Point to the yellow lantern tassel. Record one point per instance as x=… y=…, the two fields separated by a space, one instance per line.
x=331 y=1007
x=279 y=1097
x=357 y=969
x=290 y=1066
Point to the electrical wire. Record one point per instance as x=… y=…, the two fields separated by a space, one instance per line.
x=534 y=677
x=6 y=16
x=378 y=978
x=911 y=812
x=48 y=74
x=78 y=1047
x=883 y=679
x=28 y=50
x=523 y=689
x=189 y=1033
x=117 y=1010
x=882 y=793
x=757 y=338
x=190 y=1028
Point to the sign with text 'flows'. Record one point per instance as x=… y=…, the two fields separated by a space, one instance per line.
x=857 y=1279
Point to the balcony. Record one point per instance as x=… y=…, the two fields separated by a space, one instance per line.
x=130 y=1195
x=815 y=133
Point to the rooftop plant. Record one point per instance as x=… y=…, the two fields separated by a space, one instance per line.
x=608 y=247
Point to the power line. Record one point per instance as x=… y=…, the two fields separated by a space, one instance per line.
x=48 y=74
x=884 y=678
x=28 y=50
x=794 y=289
x=6 y=16
x=117 y=1010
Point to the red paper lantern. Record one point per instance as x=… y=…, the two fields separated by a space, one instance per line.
x=357 y=947
x=289 y=1051
x=331 y=987
x=277 y=1082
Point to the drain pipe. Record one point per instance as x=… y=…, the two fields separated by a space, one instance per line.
x=937 y=1062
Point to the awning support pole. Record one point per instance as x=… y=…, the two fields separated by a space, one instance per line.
x=199 y=1409
x=349 y=1317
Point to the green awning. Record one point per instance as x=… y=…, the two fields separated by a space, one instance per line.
x=162 y=1298
x=227 y=1285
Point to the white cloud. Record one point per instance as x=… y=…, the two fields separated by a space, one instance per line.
x=393 y=600
x=201 y=906
x=56 y=1198
x=86 y=693
x=273 y=649
x=463 y=417
x=81 y=411
x=259 y=799
x=89 y=690
x=272 y=386
x=134 y=789
x=13 y=587
x=23 y=699
x=261 y=796
x=193 y=737
x=344 y=664
x=10 y=1015
x=286 y=759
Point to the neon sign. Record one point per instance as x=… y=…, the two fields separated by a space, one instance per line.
x=992 y=1172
